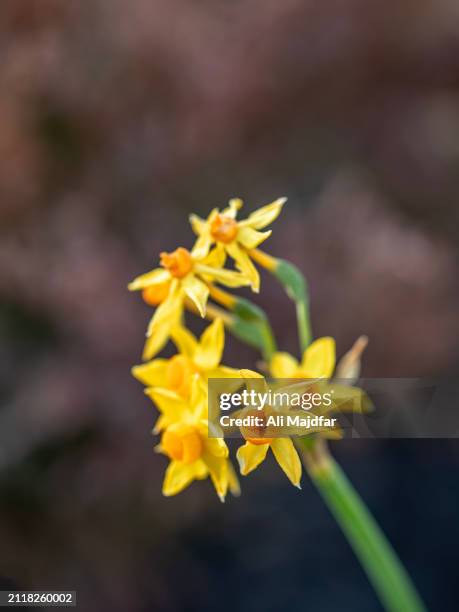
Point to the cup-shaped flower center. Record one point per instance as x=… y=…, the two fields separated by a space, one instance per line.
x=255 y=432
x=179 y=263
x=156 y=294
x=223 y=229
x=179 y=372
x=182 y=443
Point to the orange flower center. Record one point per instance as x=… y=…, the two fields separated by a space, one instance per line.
x=256 y=434
x=156 y=294
x=182 y=443
x=179 y=372
x=223 y=229
x=179 y=263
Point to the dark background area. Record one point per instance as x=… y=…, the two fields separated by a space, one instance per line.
x=118 y=119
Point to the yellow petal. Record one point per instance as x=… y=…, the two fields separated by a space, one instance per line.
x=225 y=277
x=169 y=311
x=202 y=246
x=218 y=470
x=250 y=456
x=250 y=238
x=216 y=257
x=319 y=359
x=250 y=374
x=198 y=225
x=210 y=349
x=216 y=446
x=244 y=264
x=234 y=205
x=264 y=215
x=233 y=481
x=161 y=423
x=283 y=365
x=155 y=342
x=198 y=398
x=179 y=475
x=197 y=291
x=184 y=340
x=287 y=457
x=166 y=316
x=155 y=277
x=224 y=372
x=152 y=374
x=171 y=405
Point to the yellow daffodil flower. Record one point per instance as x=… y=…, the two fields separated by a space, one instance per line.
x=254 y=451
x=318 y=366
x=183 y=275
x=318 y=361
x=201 y=357
x=236 y=238
x=185 y=441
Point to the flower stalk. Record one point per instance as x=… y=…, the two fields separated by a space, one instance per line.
x=381 y=564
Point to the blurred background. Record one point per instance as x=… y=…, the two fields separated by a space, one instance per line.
x=118 y=119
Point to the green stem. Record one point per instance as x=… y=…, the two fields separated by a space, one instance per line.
x=380 y=562
x=304 y=325
x=295 y=285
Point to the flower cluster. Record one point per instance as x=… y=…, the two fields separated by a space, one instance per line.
x=185 y=280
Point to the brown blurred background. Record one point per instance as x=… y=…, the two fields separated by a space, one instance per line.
x=118 y=119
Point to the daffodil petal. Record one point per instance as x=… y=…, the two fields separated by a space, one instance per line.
x=161 y=423
x=197 y=291
x=171 y=405
x=244 y=264
x=155 y=342
x=264 y=215
x=218 y=470
x=233 y=481
x=225 y=277
x=169 y=311
x=184 y=340
x=250 y=238
x=179 y=475
x=283 y=365
x=216 y=257
x=287 y=457
x=250 y=456
x=198 y=398
x=210 y=349
x=224 y=372
x=216 y=447
x=155 y=277
x=202 y=246
x=152 y=374
x=319 y=359
x=166 y=316
x=198 y=225
x=233 y=206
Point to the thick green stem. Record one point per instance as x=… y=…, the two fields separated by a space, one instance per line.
x=384 y=569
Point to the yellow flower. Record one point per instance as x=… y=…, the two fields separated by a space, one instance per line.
x=236 y=238
x=318 y=364
x=318 y=361
x=183 y=275
x=254 y=451
x=195 y=357
x=193 y=454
